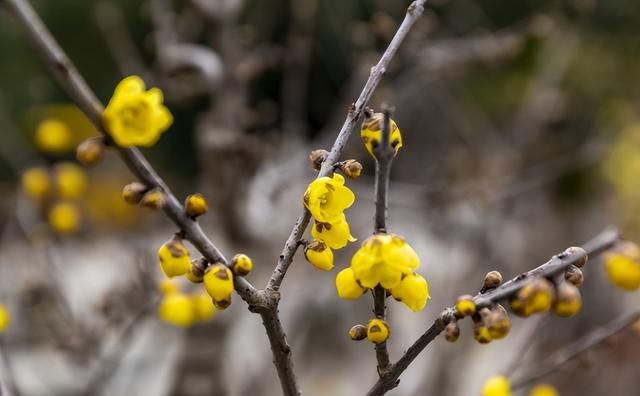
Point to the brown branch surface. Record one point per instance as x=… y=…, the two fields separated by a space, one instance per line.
x=353 y=117
x=560 y=262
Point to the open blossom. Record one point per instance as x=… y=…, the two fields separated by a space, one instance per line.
x=347 y=286
x=135 y=116
x=327 y=198
x=336 y=235
x=412 y=291
x=371 y=133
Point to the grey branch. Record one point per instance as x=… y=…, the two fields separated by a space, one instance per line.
x=574 y=349
x=558 y=263
x=353 y=117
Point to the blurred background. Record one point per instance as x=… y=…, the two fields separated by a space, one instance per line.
x=521 y=129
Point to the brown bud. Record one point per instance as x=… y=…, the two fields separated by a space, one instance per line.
x=498 y=322
x=351 y=168
x=358 y=332
x=492 y=280
x=154 y=199
x=574 y=250
x=222 y=304
x=132 y=193
x=196 y=271
x=574 y=276
x=317 y=157
x=568 y=300
x=90 y=151
x=452 y=331
x=195 y=205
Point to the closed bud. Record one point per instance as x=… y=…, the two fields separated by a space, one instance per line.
x=568 y=301
x=574 y=276
x=534 y=297
x=90 y=151
x=319 y=255
x=465 y=305
x=196 y=270
x=452 y=331
x=576 y=250
x=154 y=199
x=498 y=322
x=174 y=258
x=218 y=281
x=241 y=264
x=132 y=193
x=176 y=309
x=492 y=280
x=195 y=205
x=358 y=332
x=480 y=331
x=378 y=331
x=317 y=157
x=351 y=168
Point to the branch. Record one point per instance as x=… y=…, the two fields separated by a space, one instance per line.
x=353 y=117
x=573 y=350
x=558 y=263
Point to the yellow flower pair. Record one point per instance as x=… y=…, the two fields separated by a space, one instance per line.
x=499 y=385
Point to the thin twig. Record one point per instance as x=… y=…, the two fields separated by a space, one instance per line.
x=382 y=353
x=353 y=117
x=573 y=350
x=603 y=241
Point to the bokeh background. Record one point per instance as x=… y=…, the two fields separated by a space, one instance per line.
x=522 y=137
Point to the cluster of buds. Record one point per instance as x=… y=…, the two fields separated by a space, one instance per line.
x=376 y=331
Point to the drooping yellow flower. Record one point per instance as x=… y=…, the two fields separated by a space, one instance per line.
x=54 y=137
x=384 y=259
x=36 y=183
x=64 y=218
x=71 y=180
x=347 y=286
x=413 y=291
x=135 y=117
x=203 y=308
x=5 y=318
x=378 y=331
x=174 y=257
x=371 y=133
x=497 y=385
x=319 y=255
x=335 y=235
x=327 y=198
x=218 y=281
x=622 y=270
x=177 y=309
x=544 y=390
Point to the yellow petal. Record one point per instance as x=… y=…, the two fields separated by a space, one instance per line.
x=347 y=286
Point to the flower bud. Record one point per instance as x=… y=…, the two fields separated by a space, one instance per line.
x=195 y=205
x=452 y=331
x=492 y=280
x=497 y=321
x=177 y=310
x=319 y=255
x=378 y=331
x=196 y=270
x=497 y=385
x=90 y=151
x=203 y=308
x=576 y=250
x=351 y=168
x=54 y=137
x=568 y=301
x=154 y=199
x=241 y=264
x=481 y=332
x=218 y=280
x=623 y=266
x=174 y=258
x=358 y=332
x=36 y=182
x=317 y=157
x=70 y=180
x=132 y=193
x=465 y=305
x=64 y=218
x=348 y=286
x=536 y=296
x=574 y=276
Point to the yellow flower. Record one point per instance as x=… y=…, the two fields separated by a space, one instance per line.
x=241 y=264
x=203 y=308
x=64 y=218
x=54 y=137
x=413 y=291
x=135 y=117
x=623 y=271
x=347 y=286
x=465 y=305
x=327 y=198
x=36 y=183
x=176 y=309
x=5 y=318
x=218 y=281
x=384 y=259
x=71 y=181
x=335 y=235
x=319 y=255
x=378 y=331
x=196 y=205
x=174 y=258
x=371 y=133
x=544 y=390
x=497 y=385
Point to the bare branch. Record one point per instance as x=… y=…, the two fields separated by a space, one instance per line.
x=353 y=117
x=573 y=350
x=603 y=241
